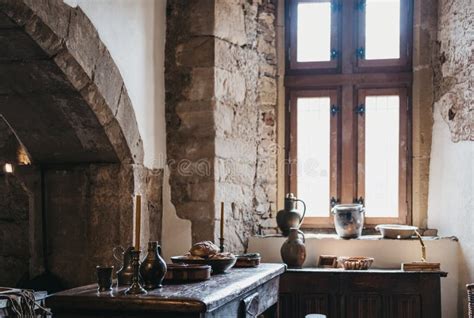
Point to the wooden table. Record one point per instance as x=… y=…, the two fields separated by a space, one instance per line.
x=242 y=292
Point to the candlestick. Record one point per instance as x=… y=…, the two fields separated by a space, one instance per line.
x=138 y=217
x=136 y=288
x=222 y=219
x=221 y=245
x=221 y=239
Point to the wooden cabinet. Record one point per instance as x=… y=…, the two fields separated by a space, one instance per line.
x=360 y=294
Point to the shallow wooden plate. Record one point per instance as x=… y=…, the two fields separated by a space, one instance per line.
x=187 y=273
x=219 y=265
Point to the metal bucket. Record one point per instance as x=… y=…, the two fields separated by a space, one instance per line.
x=348 y=220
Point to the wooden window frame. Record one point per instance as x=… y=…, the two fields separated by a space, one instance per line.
x=348 y=79
x=406 y=39
x=334 y=161
x=403 y=173
x=292 y=17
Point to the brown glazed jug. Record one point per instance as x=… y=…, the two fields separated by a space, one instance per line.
x=153 y=267
x=293 y=251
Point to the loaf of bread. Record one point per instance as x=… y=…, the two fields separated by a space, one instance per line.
x=225 y=255
x=204 y=249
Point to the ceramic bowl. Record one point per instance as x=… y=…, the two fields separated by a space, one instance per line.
x=396 y=231
x=218 y=266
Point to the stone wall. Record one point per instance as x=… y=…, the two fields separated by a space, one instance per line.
x=425 y=19
x=221 y=113
x=246 y=97
x=14 y=231
x=14 y=215
x=455 y=68
x=89 y=211
x=189 y=87
x=451 y=191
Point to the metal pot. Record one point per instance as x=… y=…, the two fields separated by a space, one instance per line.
x=348 y=220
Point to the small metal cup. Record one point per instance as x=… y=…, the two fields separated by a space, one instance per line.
x=104 y=278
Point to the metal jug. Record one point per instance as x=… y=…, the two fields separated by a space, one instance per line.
x=125 y=273
x=153 y=267
x=290 y=217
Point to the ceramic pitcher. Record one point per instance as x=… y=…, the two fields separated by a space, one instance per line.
x=293 y=251
x=290 y=216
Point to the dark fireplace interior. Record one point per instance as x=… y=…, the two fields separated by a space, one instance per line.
x=66 y=189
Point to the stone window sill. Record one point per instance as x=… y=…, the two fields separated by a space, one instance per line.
x=325 y=236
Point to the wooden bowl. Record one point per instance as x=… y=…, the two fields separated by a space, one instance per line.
x=248 y=260
x=219 y=265
x=356 y=262
x=187 y=273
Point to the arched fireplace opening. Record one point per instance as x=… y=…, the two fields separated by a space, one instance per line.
x=65 y=104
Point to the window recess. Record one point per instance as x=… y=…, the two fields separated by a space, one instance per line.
x=313 y=163
x=314 y=34
x=361 y=97
x=382 y=154
x=383 y=34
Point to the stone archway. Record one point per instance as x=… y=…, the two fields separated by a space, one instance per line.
x=67 y=38
x=63 y=95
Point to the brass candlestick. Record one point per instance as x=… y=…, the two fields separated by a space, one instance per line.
x=135 y=288
x=221 y=246
x=423 y=248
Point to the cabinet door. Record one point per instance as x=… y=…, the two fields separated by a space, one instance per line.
x=404 y=306
x=314 y=304
x=363 y=306
x=377 y=306
x=288 y=305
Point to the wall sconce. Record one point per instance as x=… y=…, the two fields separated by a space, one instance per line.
x=8 y=168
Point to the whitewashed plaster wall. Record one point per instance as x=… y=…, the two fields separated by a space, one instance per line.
x=451 y=189
x=134 y=32
x=451 y=198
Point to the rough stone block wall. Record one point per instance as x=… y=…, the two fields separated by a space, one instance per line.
x=82 y=205
x=425 y=21
x=189 y=87
x=14 y=231
x=454 y=72
x=14 y=215
x=221 y=114
x=245 y=93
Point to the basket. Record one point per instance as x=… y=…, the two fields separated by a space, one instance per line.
x=356 y=262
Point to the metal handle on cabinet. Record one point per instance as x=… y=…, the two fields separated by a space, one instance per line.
x=250 y=305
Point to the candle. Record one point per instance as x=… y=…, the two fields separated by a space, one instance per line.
x=222 y=220
x=138 y=217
